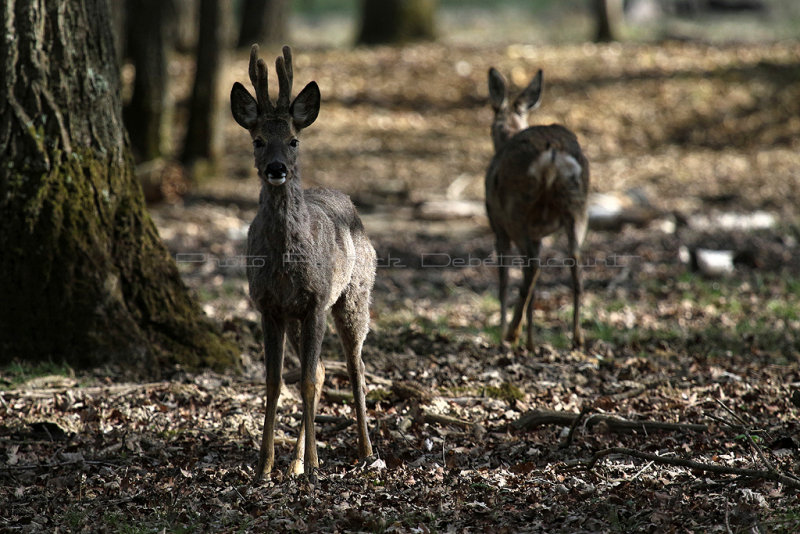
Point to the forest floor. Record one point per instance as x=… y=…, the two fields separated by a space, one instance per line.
x=462 y=428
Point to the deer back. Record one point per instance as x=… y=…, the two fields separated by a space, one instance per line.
x=538 y=174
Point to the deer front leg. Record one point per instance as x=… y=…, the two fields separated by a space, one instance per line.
x=312 y=374
x=296 y=467
x=274 y=333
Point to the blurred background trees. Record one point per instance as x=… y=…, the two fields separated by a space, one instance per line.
x=608 y=19
x=199 y=142
x=264 y=22
x=397 y=21
x=174 y=135
x=146 y=46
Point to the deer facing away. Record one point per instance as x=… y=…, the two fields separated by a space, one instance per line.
x=307 y=253
x=536 y=183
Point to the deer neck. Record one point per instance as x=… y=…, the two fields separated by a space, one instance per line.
x=505 y=126
x=285 y=216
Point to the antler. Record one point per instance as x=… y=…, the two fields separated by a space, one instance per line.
x=283 y=66
x=258 y=76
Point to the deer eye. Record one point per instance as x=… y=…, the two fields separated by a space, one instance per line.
x=258 y=143
x=294 y=143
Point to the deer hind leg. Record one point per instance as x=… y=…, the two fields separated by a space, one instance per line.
x=351 y=315
x=502 y=249
x=530 y=274
x=274 y=335
x=534 y=251
x=576 y=231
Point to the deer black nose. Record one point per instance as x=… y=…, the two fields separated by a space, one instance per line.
x=276 y=170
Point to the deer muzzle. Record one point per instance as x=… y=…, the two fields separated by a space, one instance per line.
x=276 y=173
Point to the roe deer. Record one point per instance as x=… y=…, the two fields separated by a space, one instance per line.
x=307 y=253
x=536 y=183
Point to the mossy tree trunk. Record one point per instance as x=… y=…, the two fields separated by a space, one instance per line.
x=86 y=278
x=397 y=21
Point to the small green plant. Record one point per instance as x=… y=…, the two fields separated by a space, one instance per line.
x=18 y=372
x=507 y=392
x=378 y=395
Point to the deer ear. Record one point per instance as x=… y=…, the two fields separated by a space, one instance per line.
x=528 y=99
x=243 y=106
x=497 y=89
x=305 y=108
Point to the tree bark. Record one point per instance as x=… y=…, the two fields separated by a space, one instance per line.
x=146 y=41
x=198 y=143
x=263 y=22
x=608 y=18
x=397 y=21
x=86 y=278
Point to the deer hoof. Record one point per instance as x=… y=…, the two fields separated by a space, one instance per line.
x=295 y=468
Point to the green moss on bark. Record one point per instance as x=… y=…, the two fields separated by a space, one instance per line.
x=88 y=280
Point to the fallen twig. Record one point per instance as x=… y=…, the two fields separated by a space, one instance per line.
x=568 y=441
x=750 y=439
x=725 y=422
x=691 y=464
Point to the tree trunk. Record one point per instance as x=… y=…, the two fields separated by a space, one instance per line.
x=146 y=42
x=198 y=144
x=263 y=22
x=181 y=24
x=397 y=21
x=608 y=18
x=86 y=278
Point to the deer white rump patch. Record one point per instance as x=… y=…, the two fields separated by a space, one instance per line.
x=552 y=164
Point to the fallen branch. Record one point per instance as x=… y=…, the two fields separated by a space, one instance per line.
x=338 y=395
x=326 y=419
x=440 y=419
x=772 y=476
x=58 y=464
x=568 y=441
x=629 y=394
x=46 y=393
x=338 y=369
x=533 y=419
